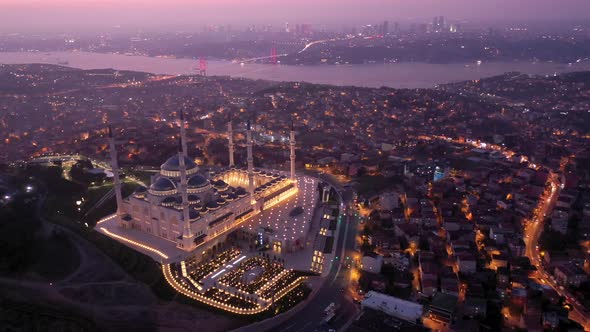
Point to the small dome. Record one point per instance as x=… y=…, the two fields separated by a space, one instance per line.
x=194 y=199
x=169 y=200
x=197 y=181
x=140 y=192
x=141 y=189
x=173 y=165
x=162 y=184
x=193 y=214
x=221 y=201
x=212 y=205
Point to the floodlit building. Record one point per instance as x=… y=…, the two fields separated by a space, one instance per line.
x=442 y=307
x=393 y=306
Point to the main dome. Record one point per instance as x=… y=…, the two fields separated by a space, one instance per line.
x=172 y=166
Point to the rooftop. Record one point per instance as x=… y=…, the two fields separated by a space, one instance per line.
x=393 y=306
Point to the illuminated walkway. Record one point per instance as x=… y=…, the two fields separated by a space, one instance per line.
x=184 y=289
x=159 y=249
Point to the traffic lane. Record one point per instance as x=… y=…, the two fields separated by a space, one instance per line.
x=333 y=290
x=314 y=311
x=311 y=316
x=347 y=308
x=533 y=253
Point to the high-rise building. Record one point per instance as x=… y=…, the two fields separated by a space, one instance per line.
x=438 y=24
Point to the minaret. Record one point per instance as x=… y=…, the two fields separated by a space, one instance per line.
x=250 y=161
x=230 y=137
x=184 y=193
x=183 y=134
x=116 y=179
x=292 y=144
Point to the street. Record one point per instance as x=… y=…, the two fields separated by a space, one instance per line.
x=532 y=234
x=335 y=288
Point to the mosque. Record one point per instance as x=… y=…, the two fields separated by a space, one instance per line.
x=197 y=209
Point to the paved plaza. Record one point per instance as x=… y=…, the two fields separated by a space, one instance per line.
x=277 y=219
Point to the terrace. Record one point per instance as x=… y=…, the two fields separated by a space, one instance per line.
x=233 y=282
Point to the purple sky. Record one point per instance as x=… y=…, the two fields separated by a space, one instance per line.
x=30 y=15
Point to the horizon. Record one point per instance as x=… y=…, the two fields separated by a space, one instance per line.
x=71 y=15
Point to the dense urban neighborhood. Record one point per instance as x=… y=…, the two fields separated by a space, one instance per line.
x=462 y=207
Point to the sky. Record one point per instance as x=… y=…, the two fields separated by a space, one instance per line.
x=58 y=15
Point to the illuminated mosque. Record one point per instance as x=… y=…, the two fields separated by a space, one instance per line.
x=198 y=209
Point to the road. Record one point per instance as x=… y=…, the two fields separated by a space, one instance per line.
x=336 y=286
x=533 y=233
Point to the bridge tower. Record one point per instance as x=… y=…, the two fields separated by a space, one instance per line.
x=273 y=56
x=202 y=66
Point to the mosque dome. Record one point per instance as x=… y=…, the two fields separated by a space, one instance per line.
x=141 y=189
x=172 y=166
x=220 y=185
x=193 y=199
x=197 y=181
x=193 y=214
x=169 y=201
x=163 y=186
x=241 y=192
x=212 y=205
x=140 y=192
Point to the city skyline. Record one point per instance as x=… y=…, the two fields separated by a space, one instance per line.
x=67 y=15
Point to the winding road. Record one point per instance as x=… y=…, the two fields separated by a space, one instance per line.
x=533 y=233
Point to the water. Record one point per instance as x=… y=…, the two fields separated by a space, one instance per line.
x=396 y=75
